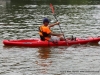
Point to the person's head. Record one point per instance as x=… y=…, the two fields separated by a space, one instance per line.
x=45 y=21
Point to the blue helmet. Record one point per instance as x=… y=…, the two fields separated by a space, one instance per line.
x=46 y=20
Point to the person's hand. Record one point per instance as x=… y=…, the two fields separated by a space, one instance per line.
x=57 y=23
x=60 y=35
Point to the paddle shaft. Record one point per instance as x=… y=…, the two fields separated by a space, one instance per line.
x=59 y=27
x=52 y=9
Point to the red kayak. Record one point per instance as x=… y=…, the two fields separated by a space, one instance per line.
x=39 y=43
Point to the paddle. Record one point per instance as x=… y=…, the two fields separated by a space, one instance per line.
x=52 y=8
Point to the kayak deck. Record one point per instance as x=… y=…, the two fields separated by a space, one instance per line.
x=39 y=43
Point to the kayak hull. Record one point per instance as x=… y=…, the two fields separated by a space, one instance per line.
x=39 y=43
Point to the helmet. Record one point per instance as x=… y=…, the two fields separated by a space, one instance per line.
x=45 y=20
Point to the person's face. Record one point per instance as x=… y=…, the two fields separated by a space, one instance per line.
x=46 y=23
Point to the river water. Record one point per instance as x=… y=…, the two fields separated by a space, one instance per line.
x=22 y=21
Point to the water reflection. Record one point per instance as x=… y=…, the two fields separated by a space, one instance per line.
x=44 y=62
x=4 y=3
x=3 y=7
x=44 y=53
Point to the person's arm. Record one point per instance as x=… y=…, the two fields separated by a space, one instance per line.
x=51 y=25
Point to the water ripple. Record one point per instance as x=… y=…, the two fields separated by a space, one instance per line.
x=23 y=22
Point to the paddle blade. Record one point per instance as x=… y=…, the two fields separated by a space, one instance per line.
x=52 y=8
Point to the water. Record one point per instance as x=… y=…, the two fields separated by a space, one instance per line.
x=21 y=20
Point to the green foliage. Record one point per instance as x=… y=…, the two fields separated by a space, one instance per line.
x=54 y=2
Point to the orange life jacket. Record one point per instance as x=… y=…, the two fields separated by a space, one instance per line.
x=44 y=32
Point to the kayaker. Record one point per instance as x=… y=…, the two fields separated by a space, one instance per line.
x=46 y=34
